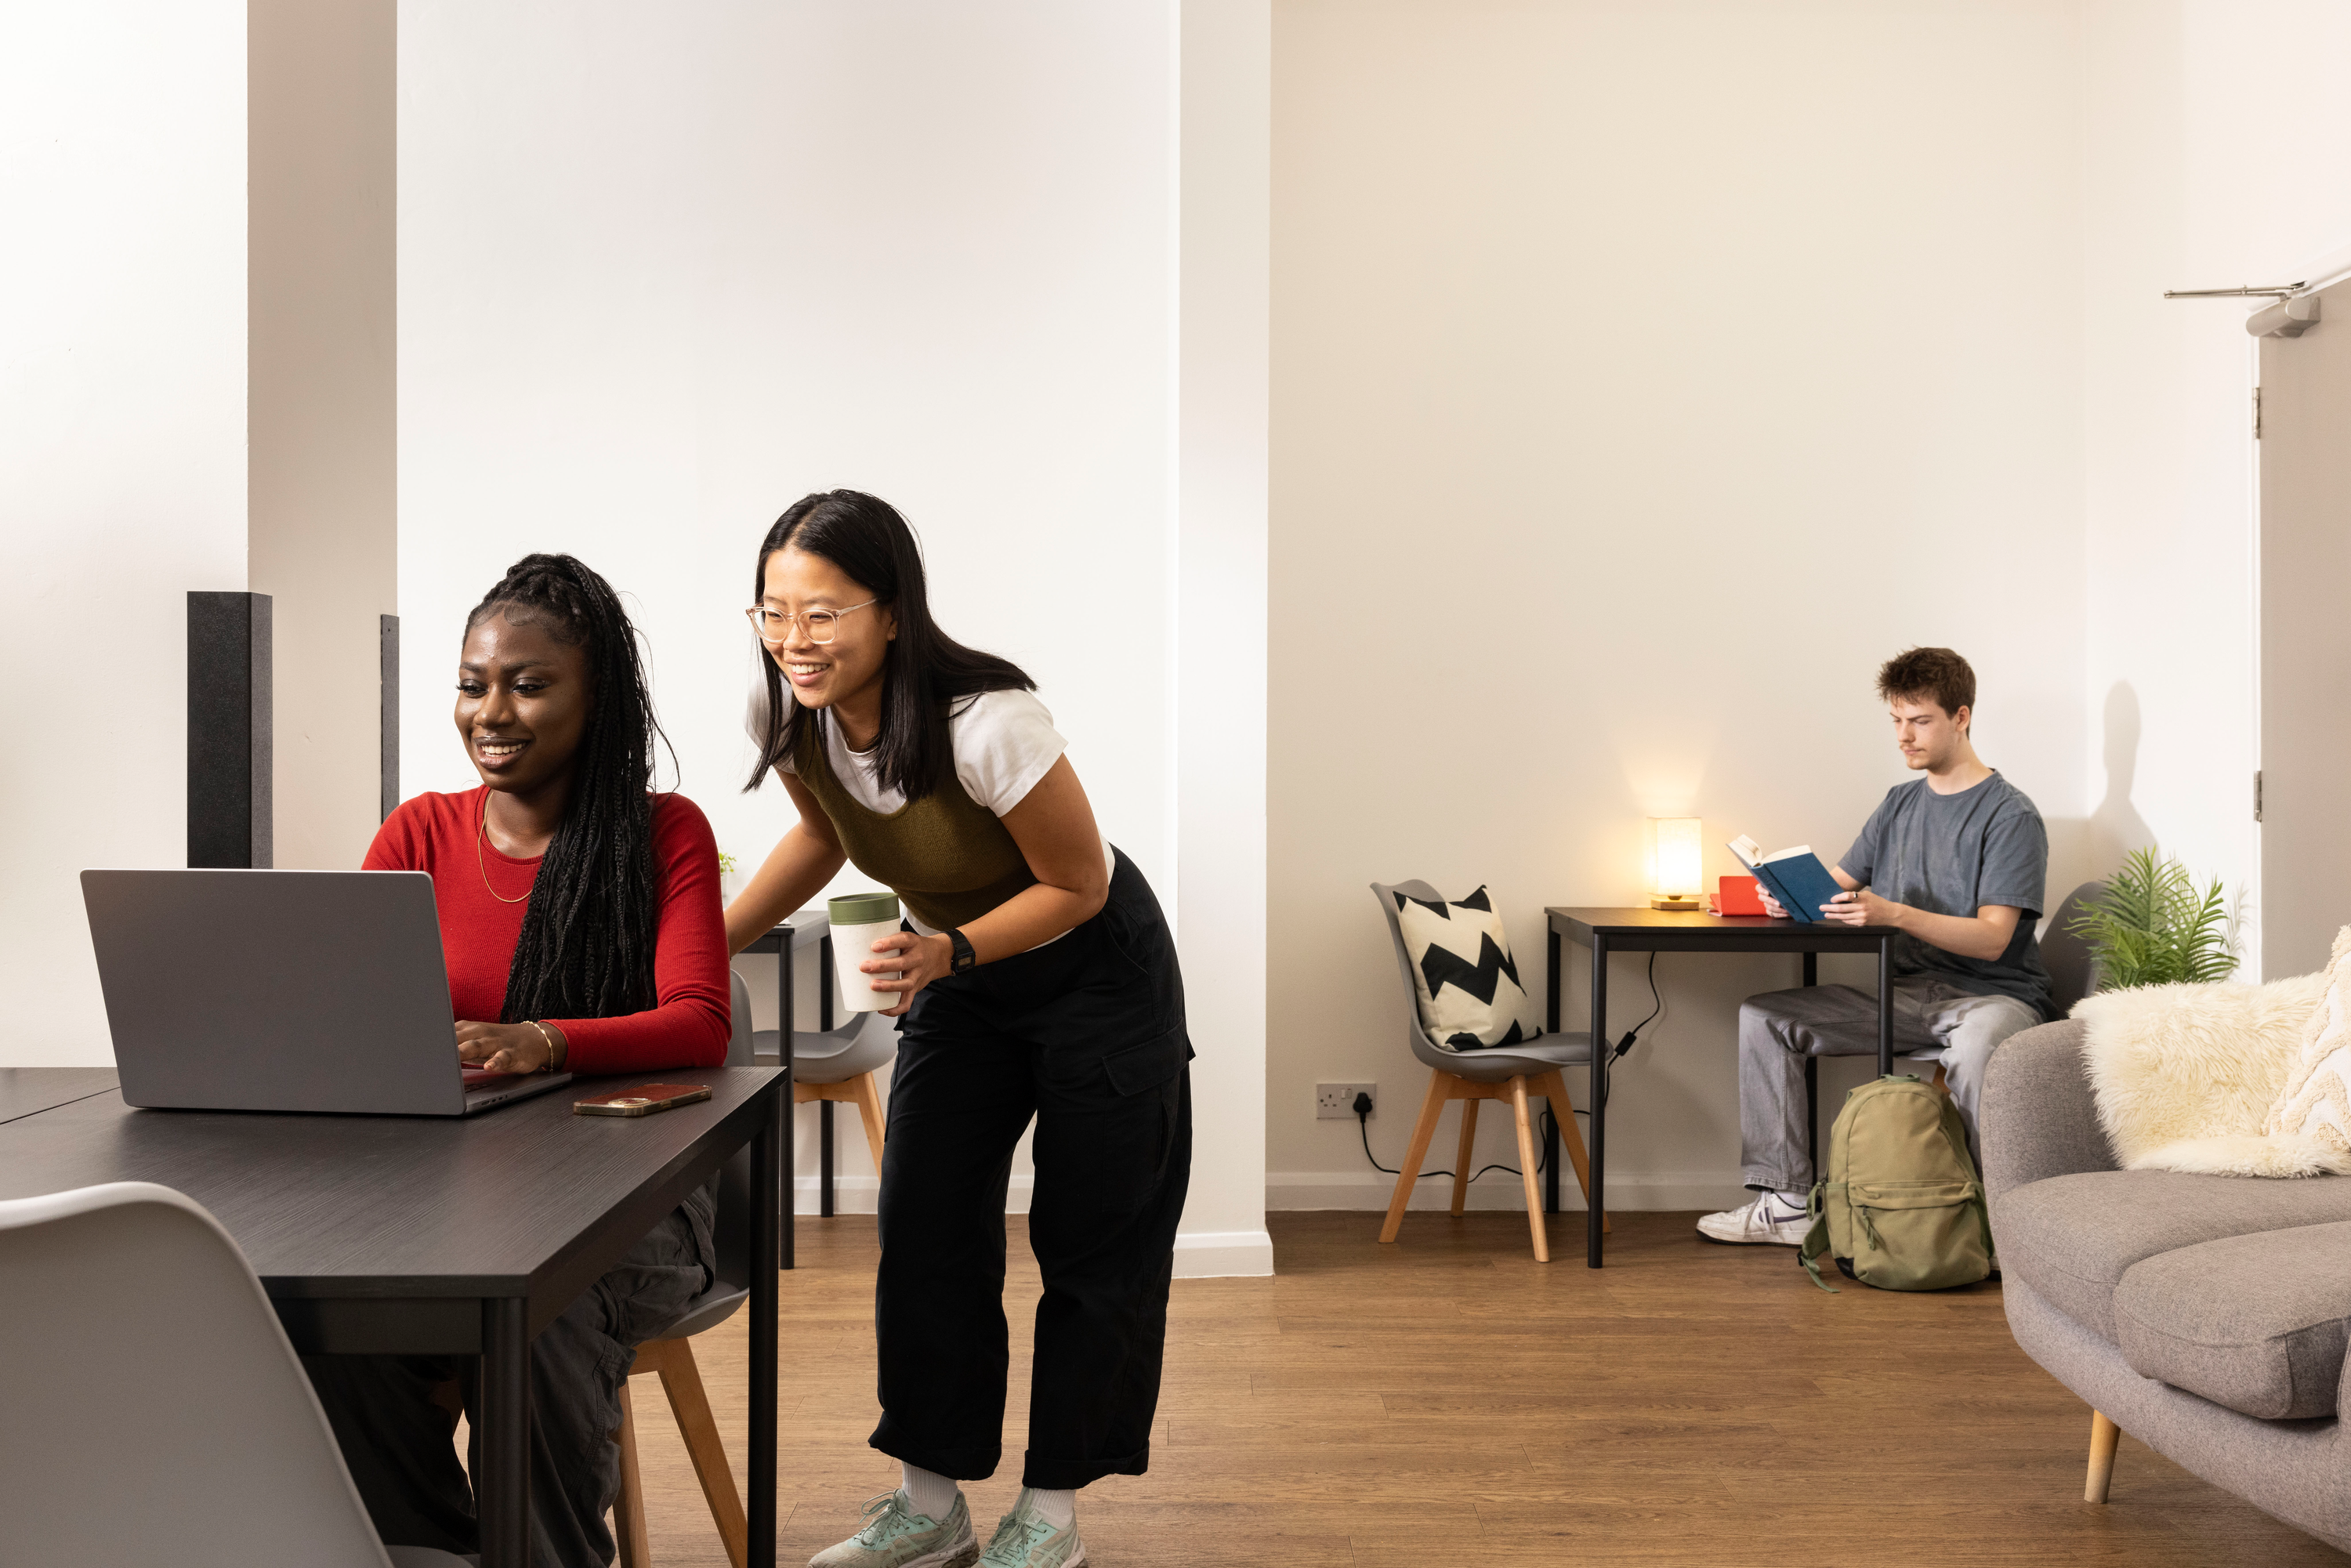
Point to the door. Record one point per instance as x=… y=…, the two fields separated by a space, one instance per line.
x=2305 y=636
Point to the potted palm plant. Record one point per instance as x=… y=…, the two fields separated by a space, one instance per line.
x=2150 y=927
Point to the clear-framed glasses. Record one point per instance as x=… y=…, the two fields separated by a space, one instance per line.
x=821 y=625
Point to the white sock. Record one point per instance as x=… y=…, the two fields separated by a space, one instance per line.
x=1793 y=1202
x=928 y=1494
x=1058 y=1509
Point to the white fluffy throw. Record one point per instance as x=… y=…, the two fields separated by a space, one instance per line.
x=2186 y=1075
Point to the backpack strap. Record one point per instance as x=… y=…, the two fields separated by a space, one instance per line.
x=1816 y=1241
x=1983 y=1218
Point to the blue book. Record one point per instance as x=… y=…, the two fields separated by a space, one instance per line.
x=1795 y=877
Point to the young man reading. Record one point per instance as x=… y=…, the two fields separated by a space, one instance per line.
x=1957 y=860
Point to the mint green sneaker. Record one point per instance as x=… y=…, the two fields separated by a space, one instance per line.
x=1023 y=1540
x=895 y=1536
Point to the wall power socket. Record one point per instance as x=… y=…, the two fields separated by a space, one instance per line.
x=1336 y=1101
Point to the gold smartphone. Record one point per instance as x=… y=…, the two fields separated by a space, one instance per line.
x=642 y=1100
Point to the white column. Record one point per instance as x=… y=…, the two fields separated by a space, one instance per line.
x=1225 y=59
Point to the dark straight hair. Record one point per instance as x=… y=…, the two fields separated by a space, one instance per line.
x=588 y=937
x=923 y=672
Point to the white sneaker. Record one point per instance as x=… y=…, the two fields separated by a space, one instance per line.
x=895 y=1536
x=1773 y=1217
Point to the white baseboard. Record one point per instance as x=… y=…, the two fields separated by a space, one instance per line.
x=1635 y=1192
x=1199 y=1254
x=851 y=1194
x=1216 y=1254
x=862 y=1194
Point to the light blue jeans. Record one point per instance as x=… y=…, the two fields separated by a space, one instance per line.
x=1778 y=1030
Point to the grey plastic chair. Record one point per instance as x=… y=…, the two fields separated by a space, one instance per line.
x=2073 y=969
x=1510 y=1072
x=156 y=1412
x=672 y=1357
x=835 y=1064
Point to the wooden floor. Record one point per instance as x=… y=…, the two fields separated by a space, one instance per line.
x=1448 y=1401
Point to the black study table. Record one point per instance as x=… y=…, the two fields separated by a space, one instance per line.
x=29 y=1090
x=458 y=1237
x=1637 y=930
x=794 y=933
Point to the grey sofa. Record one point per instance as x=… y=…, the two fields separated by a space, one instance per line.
x=2204 y=1315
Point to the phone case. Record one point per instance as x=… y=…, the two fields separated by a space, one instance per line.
x=642 y=1100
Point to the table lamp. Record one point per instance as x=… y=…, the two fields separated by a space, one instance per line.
x=1675 y=863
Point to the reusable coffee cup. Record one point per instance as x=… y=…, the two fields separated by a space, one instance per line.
x=860 y=920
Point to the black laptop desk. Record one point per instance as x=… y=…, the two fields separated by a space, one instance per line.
x=812 y=926
x=1637 y=930
x=29 y=1090
x=458 y=1237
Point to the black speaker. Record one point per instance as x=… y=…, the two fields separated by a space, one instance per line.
x=228 y=729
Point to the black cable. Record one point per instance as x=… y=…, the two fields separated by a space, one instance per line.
x=1550 y=1120
x=1549 y=1132
x=1657 y=1007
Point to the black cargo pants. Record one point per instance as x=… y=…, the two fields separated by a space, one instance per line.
x=1086 y=1035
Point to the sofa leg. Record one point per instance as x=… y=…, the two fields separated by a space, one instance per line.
x=2104 y=1434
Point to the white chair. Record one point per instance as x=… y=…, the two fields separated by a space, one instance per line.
x=1510 y=1072
x=836 y=1064
x=155 y=1411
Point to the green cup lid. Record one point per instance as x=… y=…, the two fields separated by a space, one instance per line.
x=863 y=908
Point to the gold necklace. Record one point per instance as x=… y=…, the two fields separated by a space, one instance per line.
x=483 y=837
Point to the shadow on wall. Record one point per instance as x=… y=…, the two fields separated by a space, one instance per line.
x=2115 y=826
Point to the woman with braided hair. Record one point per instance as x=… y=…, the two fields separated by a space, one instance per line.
x=579 y=920
x=1036 y=981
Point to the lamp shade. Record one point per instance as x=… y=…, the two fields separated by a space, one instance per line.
x=1677 y=868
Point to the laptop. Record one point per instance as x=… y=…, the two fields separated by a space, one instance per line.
x=283 y=990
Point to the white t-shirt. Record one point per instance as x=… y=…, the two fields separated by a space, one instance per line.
x=1003 y=742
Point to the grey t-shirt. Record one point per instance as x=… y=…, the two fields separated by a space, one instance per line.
x=1951 y=855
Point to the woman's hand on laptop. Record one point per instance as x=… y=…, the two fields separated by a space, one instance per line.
x=510 y=1046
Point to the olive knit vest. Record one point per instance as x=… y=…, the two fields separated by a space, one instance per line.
x=948 y=857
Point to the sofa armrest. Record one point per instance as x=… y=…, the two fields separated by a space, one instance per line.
x=2039 y=1118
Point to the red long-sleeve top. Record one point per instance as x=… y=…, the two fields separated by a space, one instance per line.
x=690 y=1021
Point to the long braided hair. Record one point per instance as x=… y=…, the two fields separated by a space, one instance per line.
x=587 y=944
x=925 y=672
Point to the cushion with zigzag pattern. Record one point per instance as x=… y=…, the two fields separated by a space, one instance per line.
x=1469 y=990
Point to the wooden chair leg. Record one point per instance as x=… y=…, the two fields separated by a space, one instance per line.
x=628 y=1508
x=1461 y=1158
x=1527 y=1167
x=1553 y=1088
x=869 y=1110
x=1431 y=1107
x=2104 y=1434
x=682 y=1381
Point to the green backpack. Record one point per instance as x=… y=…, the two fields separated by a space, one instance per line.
x=1901 y=1208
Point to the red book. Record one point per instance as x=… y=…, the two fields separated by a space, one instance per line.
x=1737 y=895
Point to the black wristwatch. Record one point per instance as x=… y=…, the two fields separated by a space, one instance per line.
x=965 y=960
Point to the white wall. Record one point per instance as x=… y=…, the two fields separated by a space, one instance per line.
x=664 y=271
x=121 y=457
x=2211 y=130
x=1643 y=376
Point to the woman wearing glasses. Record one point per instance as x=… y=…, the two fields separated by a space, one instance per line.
x=1039 y=981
